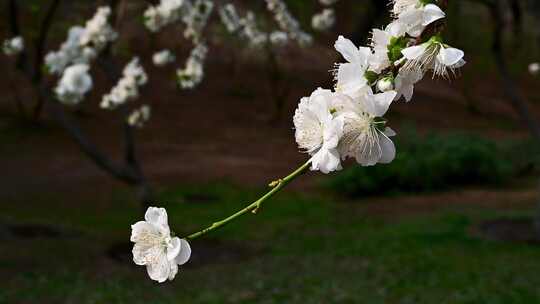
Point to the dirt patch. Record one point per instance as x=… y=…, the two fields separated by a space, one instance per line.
x=32 y=231
x=510 y=230
x=500 y=199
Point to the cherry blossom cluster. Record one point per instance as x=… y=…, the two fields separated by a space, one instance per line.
x=347 y=122
x=333 y=125
x=246 y=27
x=192 y=74
x=83 y=43
x=74 y=84
x=139 y=117
x=165 y=13
x=324 y=20
x=127 y=87
x=13 y=46
x=72 y=60
x=288 y=23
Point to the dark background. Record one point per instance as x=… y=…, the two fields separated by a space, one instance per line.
x=452 y=220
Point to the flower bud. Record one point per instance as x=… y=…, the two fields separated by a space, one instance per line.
x=385 y=84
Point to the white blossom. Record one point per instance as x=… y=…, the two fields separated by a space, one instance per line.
x=229 y=17
x=416 y=16
x=163 y=58
x=365 y=135
x=156 y=248
x=98 y=32
x=405 y=82
x=324 y=20
x=127 y=87
x=288 y=23
x=383 y=43
x=83 y=43
x=279 y=38
x=192 y=74
x=534 y=68
x=139 y=116
x=13 y=46
x=196 y=19
x=433 y=55
x=350 y=76
x=165 y=13
x=74 y=84
x=318 y=131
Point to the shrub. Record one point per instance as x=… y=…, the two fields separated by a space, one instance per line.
x=430 y=163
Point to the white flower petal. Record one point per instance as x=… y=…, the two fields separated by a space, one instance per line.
x=382 y=102
x=414 y=52
x=184 y=254
x=389 y=132
x=157 y=217
x=326 y=161
x=347 y=49
x=159 y=270
x=431 y=14
x=450 y=56
x=388 y=149
x=173 y=249
x=141 y=231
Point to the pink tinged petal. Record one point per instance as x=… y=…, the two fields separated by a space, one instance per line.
x=388 y=150
x=450 y=56
x=160 y=270
x=184 y=254
x=431 y=14
x=414 y=52
x=173 y=249
x=382 y=102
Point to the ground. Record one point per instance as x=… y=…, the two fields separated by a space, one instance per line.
x=65 y=224
x=299 y=249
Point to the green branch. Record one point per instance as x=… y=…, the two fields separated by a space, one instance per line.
x=254 y=207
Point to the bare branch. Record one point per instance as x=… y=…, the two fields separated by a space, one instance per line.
x=42 y=39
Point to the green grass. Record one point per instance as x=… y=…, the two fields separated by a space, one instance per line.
x=298 y=249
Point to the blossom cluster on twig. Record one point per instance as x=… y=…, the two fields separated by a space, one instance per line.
x=127 y=87
x=347 y=122
x=333 y=124
x=72 y=60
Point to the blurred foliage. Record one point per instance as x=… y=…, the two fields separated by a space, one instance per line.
x=434 y=162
